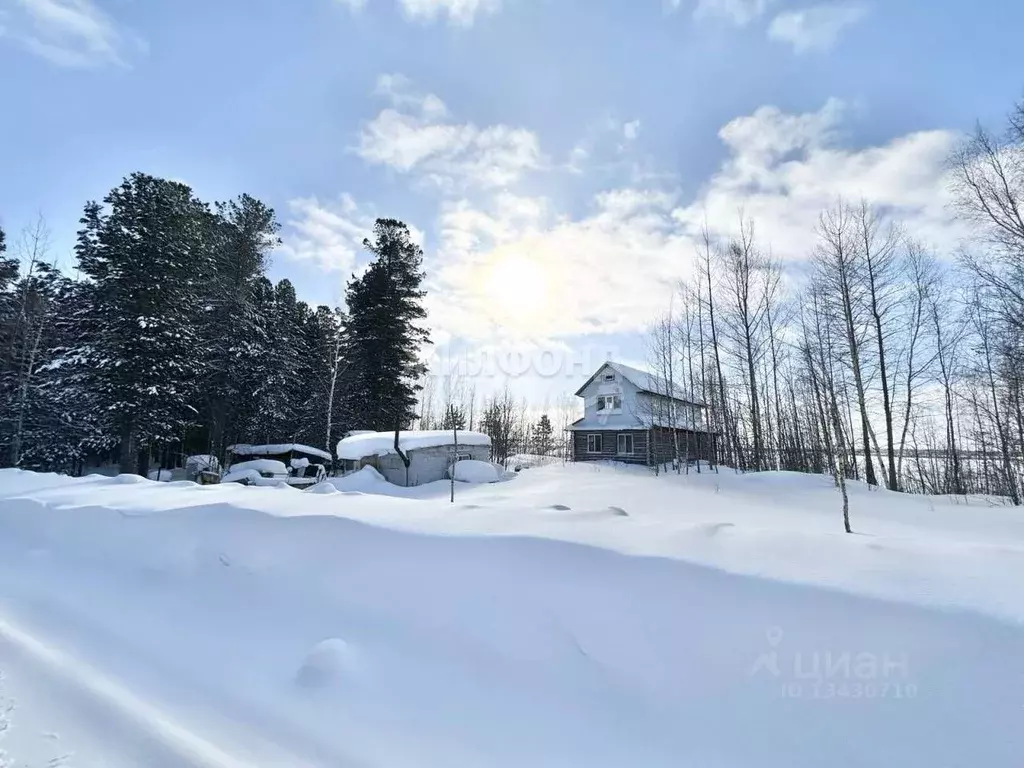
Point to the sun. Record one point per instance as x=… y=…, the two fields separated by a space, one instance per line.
x=517 y=284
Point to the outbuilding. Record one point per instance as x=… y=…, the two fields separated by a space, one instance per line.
x=430 y=453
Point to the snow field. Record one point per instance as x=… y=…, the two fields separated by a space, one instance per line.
x=574 y=616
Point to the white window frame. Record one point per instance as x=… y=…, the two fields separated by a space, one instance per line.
x=609 y=377
x=620 y=444
x=607 y=403
x=595 y=442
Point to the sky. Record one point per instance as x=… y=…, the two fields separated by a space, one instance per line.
x=555 y=158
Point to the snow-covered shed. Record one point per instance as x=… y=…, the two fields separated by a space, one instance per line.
x=430 y=453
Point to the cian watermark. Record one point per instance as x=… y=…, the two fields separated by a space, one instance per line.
x=834 y=674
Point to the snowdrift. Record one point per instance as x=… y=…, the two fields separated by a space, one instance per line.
x=718 y=621
x=470 y=471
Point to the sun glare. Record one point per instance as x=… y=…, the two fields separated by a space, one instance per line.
x=517 y=284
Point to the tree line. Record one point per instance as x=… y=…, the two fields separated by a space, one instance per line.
x=874 y=358
x=169 y=339
x=449 y=401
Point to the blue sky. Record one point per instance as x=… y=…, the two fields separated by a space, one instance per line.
x=557 y=156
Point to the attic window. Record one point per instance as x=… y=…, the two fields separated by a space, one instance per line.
x=609 y=377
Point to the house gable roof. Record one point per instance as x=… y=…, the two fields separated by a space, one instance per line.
x=644 y=382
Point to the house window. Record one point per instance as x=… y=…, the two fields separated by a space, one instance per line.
x=594 y=444
x=625 y=443
x=609 y=377
x=609 y=403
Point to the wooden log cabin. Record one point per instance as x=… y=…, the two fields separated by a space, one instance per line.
x=635 y=417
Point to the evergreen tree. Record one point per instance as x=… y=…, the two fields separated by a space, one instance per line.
x=384 y=334
x=542 y=436
x=454 y=418
x=242 y=234
x=65 y=421
x=322 y=331
x=146 y=257
x=276 y=365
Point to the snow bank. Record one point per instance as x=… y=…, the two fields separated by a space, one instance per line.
x=366 y=480
x=359 y=446
x=240 y=626
x=469 y=471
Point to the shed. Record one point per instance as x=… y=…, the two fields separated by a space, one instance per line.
x=430 y=453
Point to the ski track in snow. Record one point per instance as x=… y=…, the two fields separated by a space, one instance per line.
x=131 y=731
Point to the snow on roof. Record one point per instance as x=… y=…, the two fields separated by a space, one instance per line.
x=645 y=382
x=382 y=443
x=277 y=449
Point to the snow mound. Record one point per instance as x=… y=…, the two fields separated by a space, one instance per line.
x=471 y=471
x=330 y=663
x=323 y=489
x=126 y=480
x=250 y=476
x=366 y=480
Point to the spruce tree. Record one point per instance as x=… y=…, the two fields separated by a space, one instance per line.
x=277 y=367
x=384 y=331
x=242 y=234
x=542 y=436
x=147 y=259
x=454 y=418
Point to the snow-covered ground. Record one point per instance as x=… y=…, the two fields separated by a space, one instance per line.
x=573 y=616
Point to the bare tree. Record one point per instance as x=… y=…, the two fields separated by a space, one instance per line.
x=839 y=262
x=879 y=244
x=745 y=284
x=33 y=315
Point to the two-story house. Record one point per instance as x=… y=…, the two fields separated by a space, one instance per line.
x=633 y=416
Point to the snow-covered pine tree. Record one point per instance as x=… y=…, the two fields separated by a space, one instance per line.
x=64 y=421
x=322 y=340
x=277 y=366
x=34 y=299
x=384 y=331
x=243 y=233
x=147 y=257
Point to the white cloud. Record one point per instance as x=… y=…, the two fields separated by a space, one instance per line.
x=327 y=234
x=739 y=12
x=413 y=136
x=330 y=234
x=70 y=33
x=459 y=12
x=784 y=169
x=816 y=28
x=631 y=130
x=517 y=268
